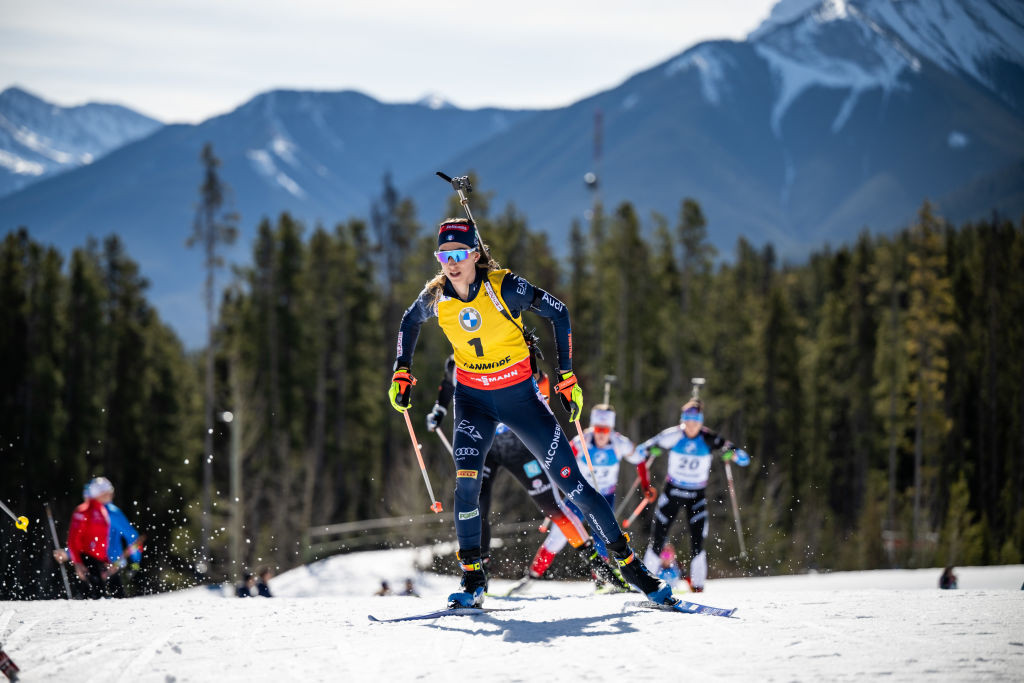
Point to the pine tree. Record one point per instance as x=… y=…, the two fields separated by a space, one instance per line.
x=213 y=228
x=928 y=327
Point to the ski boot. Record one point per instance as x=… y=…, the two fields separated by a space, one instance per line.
x=607 y=578
x=637 y=574
x=474 y=580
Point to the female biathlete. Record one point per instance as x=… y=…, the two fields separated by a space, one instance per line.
x=607 y=448
x=508 y=452
x=689 y=445
x=477 y=306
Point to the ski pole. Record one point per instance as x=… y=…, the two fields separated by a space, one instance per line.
x=625 y=500
x=7 y=666
x=20 y=522
x=543 y=528
x=137 y=544
x=735 y=509
x=444 y=440
x=586 y=451
x=56 y=546
x=436 y=505
x=636 y=513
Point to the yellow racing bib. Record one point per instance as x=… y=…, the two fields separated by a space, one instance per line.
x=484 y=341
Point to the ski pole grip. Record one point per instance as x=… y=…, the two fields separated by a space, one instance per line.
x=443 y=176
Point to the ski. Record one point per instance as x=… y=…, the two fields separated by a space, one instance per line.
x=517 y=586
x=8 y=667
x=686 y=608
x=448 y=612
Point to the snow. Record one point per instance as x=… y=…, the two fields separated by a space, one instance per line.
x=16 y=164
x=831 y=45
x=710 y=63
x=955 y=34
x=433 y=100
x=783 y=12
x=840 y=626
x=263 y=163
x=957 y=140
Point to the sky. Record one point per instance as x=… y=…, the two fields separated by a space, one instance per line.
x=187 y=60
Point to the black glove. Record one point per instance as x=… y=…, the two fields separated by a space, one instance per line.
x=435 y=416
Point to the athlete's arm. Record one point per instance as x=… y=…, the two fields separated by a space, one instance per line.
x=120 y=529
x=714 y=441
x=446 y=389
x=663 y=441
x=409 y=331
x=520 y=296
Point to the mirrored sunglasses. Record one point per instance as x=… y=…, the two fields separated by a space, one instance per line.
x=692 y=416
x=452 y=254
x=602 y=430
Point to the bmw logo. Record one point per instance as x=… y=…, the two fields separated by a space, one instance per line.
x=469 y=319
x=565 y=472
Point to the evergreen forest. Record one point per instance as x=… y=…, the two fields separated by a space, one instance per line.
x=876 y=385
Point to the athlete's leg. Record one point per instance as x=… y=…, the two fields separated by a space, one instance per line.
x=664 y=514
x=523 y=408
x=474 y=429
x=698 y=516
x=487 y=474
x=526 y=412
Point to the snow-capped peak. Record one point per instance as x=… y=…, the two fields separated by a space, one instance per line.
x=784 y=12
x=971 y=38
x=433 y=100
x=38 y=138
x=957 y=35
x=830 y=44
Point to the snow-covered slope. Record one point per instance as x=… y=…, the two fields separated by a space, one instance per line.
x=863 y=44
x=981 y=39
x=849 y=626
x=39 y=139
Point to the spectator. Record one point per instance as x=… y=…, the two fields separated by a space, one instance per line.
x=385 y=589
x=948 y=579
x=244 y=589
x=100 y=541
x=263 y=585
x=410 y=589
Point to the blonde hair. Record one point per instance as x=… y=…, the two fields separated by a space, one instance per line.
x=435 y=285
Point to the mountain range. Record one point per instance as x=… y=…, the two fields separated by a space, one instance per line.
x=830 y=117
x=39 y=139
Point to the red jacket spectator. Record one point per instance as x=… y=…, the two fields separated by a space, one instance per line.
x=89 y=531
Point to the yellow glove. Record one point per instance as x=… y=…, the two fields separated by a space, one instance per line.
x=401 y=389
x=570 y=394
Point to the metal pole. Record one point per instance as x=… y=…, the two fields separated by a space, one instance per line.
x=625 y=499
x=735 y=509
x=444 y=440
x=435 y=505
x=56 y=546
x=586 y=451
x=19 y=522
